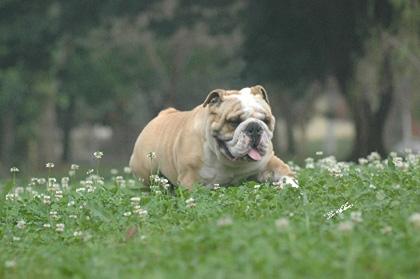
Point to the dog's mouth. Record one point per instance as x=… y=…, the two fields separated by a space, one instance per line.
x=254 y=154
x=225 y=149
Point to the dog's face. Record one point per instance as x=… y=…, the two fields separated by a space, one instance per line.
x=240 y=123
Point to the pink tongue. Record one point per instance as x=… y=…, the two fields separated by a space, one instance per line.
x=254 y=154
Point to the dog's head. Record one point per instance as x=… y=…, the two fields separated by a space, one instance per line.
x=240 y=123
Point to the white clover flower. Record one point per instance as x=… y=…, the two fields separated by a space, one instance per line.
x=91 y=189
x=59 y=227
x=319 y=153
x=42 y=181
x=72 y=173
x=126 y=214
x=120 y=181
x=141 y=212
x=151 y=155
x=345 y=227
x=74 y=167
x=282 y=224
x=51 y=184
x=10 y=264
x=14 y=170
x=414 y=219
x=216 y=186
x=127 y=170
x=257 y=186
x=374 y=156
x=80 y=190
x=397 y=186
x=356 y=217
x=21 y=224
x=71 y=203
x=49 y=165
x=371 y=186
x=16 y=238
x=335 y=171
x=114 y=171
x=19 y=190
x=131 y=183
x=190 y=202
x=386 y=230
x=309 y=163
x=65 y=182
x=98 y=154
x=224 y=221
x=90 y=171
x=54 y=215
x=413 y=159
x=47 y=226
x=58 y=194
x=393 y=154
x=398 y=162
x=72 y=216
x=10 y=197
x=135 y=200
x=77 y=234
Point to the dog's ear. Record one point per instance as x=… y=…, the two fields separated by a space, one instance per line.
x=259 y=90
x=214 y=97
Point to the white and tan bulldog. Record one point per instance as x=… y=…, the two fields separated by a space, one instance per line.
x=224 y=141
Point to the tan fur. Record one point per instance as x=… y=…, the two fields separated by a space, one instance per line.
x=185 y=148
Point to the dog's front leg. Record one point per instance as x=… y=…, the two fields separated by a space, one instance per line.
x=187 y=178
x=278 y=172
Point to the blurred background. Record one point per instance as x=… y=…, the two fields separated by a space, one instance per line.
x=79 y=76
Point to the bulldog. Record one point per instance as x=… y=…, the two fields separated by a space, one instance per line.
x=223 y=141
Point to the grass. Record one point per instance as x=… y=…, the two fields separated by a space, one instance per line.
x=248 y=231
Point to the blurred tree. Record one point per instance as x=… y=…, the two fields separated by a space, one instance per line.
x=77 y=77
x=27 y=33
x=155 y=52
x=290 y=43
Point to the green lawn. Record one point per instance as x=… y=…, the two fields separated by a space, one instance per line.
x=248 y=231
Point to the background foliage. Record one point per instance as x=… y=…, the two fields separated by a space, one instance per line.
x=68 y=65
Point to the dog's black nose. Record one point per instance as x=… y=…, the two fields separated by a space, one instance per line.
x=254 y=131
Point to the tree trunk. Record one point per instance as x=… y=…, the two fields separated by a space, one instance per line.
x=68 y=124
x=47 y=130
x=7 y=137
x=369 y=124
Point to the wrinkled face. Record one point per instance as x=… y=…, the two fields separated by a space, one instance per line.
x=241 y=123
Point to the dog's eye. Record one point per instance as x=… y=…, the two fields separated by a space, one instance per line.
x=234 y=122
x=267 y=121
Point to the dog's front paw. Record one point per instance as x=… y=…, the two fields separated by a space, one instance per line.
x=279 y=180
